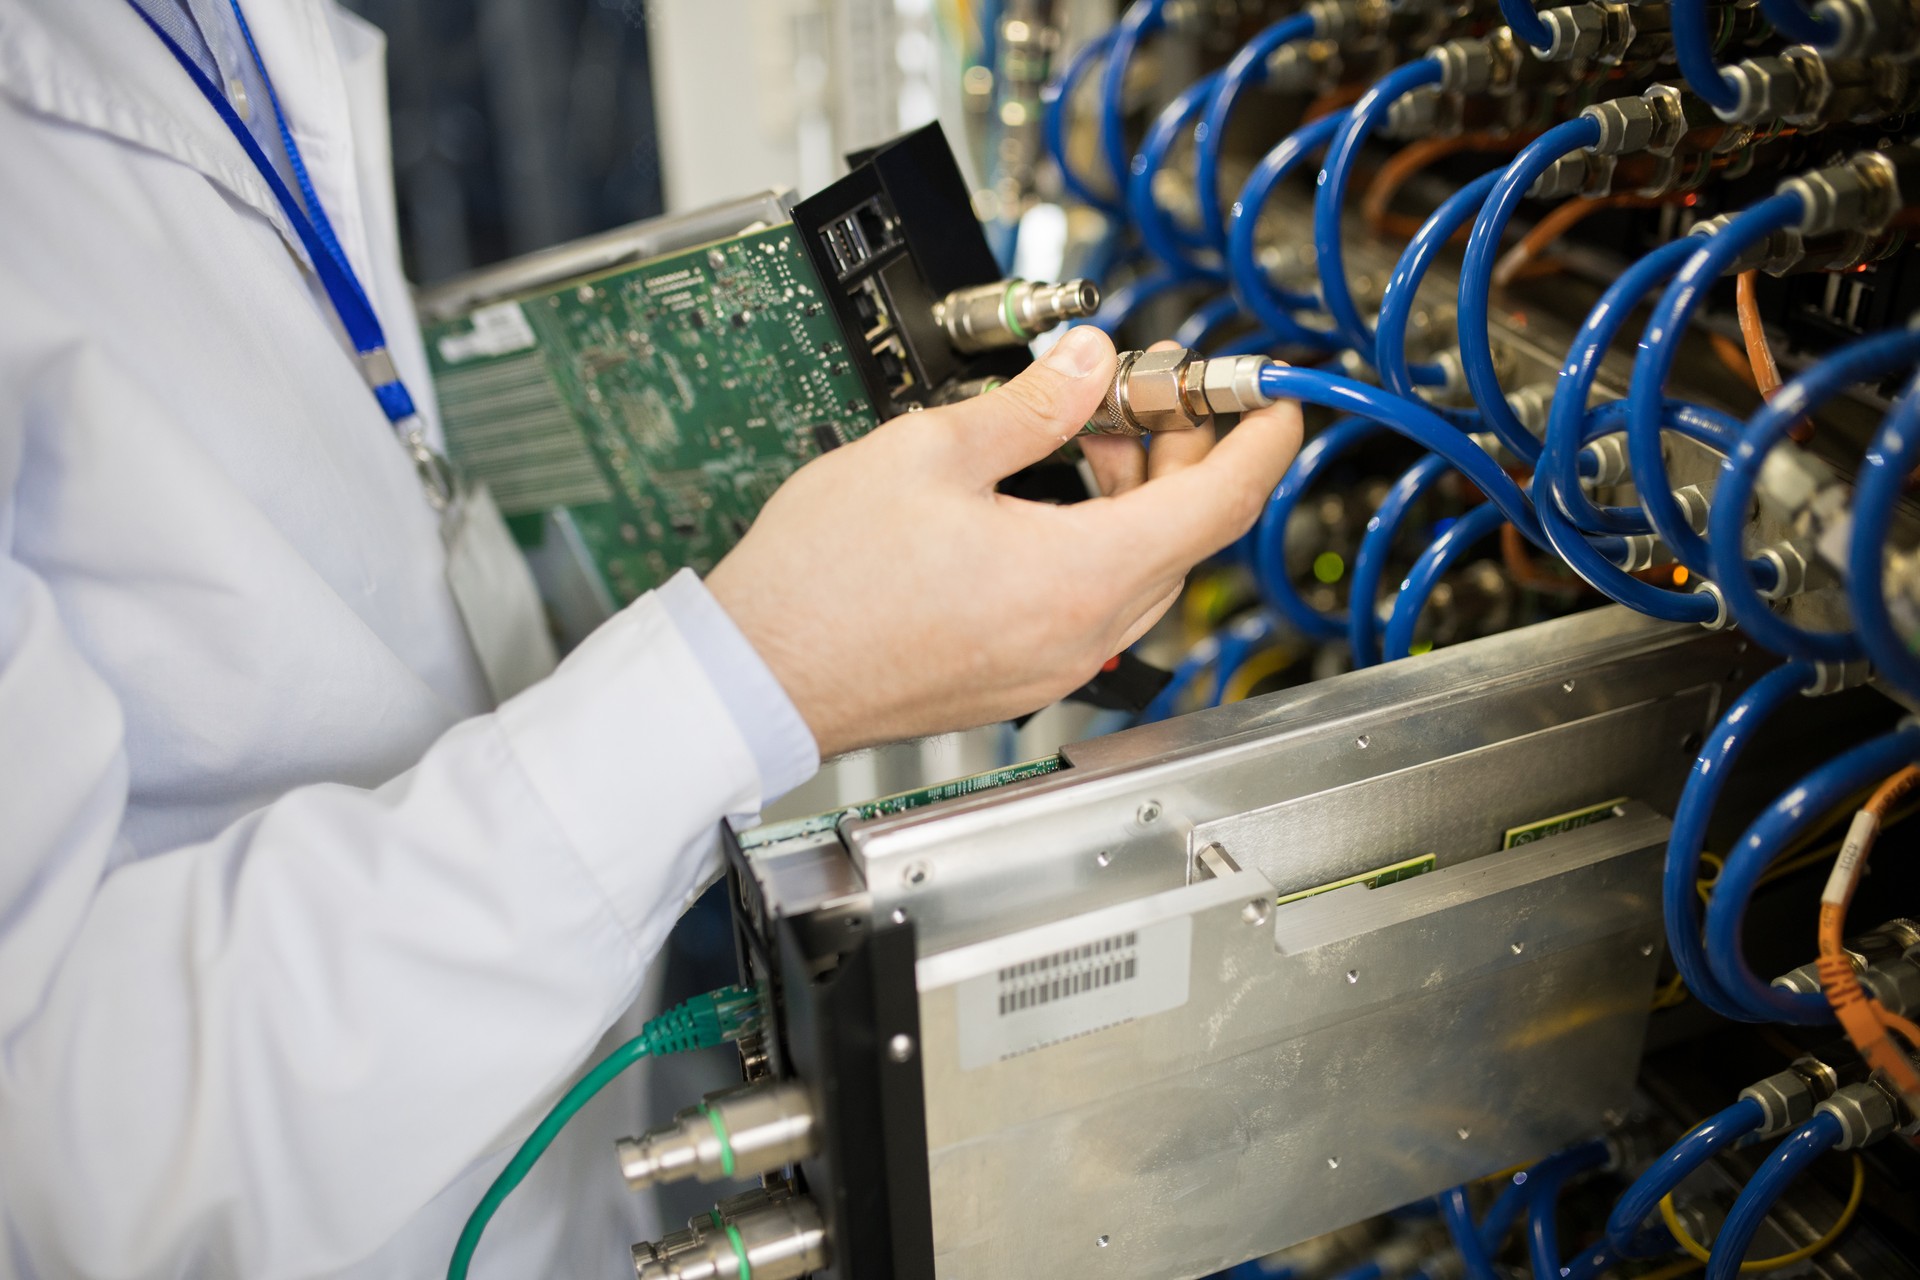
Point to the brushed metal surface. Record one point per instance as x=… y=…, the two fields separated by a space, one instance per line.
x=1123 y=820
x=1341 y=1056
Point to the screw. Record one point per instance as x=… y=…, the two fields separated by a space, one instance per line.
x=1149 y=813
x=1103 y=858
x=1566 y=686
x=1364 y=741
x=1464 y=1134
x=1353 y=975
x=1333 y=1162
x=1101 y=1241
x=1516 y=947
x=1256 y=912
x=900 y=1048
x=917 y=873
x=899 y=915
x=1646 y=948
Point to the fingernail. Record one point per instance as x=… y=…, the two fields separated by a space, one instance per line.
x=1080 y=351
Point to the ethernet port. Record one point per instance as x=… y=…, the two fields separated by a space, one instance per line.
x=870 y=306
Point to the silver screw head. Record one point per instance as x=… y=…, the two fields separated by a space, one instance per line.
x=900 y=1048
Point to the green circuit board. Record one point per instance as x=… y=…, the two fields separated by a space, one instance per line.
x=900 y=802
x=658 y=405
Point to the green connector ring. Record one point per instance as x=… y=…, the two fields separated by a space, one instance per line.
x=726 y=1142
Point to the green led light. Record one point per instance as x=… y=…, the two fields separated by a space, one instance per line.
x=1328 y=567
x=1419 y=647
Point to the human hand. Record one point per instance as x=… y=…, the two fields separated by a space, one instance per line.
x=895 y=594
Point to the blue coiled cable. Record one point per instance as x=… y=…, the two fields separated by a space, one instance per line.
x=1198 y=330
x=1525 y=23
x=1476 y=274
x=1457 y=1212
x=1680 y=902
x=1248 y=68
x=1659 y=345
x=1142 y=19
x=1376 y=546
x=1120 y=306
x=1627 y=1231
x=1543 y=1227
x=1693 y=50
x=1270 y=532
x=1800 y=26
x=1181 y=249
x=1806 y=802
x=1460 y=537
x=1892 y=455
x=1558 y=460
x=1055 y=99
x=1330 y=200
x=1414 y=421
x=1801 y=1148
x=1396 y=304
x=1256 y=292
x=1867 y=360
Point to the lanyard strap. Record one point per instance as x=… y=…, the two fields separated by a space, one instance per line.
x=343 y=288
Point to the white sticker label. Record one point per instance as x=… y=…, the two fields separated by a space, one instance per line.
x=1074 y=992
x=497 y=330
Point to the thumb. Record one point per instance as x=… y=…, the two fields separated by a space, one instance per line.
x=1020 y=423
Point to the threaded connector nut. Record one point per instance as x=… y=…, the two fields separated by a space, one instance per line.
x=749 y=1130
x=1862 y=194
x=1782 y=86
x=1867 y=27
x=1578 y=33
x=1895 y=984
x=1866 y=1114
x=1789 y=570
x=1466 y=66
x=1011 y=313
x=1788 y=1097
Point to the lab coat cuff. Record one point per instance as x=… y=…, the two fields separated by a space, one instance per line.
x=782 y=745
x=631 y=713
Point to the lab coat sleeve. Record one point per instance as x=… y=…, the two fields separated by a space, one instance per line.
x=260 y=1055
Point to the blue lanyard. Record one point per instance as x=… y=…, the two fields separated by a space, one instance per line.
x=343 y=288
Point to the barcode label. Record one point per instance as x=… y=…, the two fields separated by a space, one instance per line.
x=1074 y=991
x=1065 y=974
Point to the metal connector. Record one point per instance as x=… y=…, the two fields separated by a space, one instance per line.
x=1582 y=32
x=1838 y=677
x=1868 y=27
x=1862 y=194
x=1788 y=1097
x=1488 y=64
x=781 y=1238
x=739 y=1133
x=1176 y=390
x=1011 y=313
x=1789 y=570
x=1866 y=1112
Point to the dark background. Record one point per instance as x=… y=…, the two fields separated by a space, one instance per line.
x=517 y=124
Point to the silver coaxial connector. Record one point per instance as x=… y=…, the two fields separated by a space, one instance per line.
x=1580 y=32
x=1176 y=390
x=780 y=1239
x=1788 y=1097
x=1011 y=313
x=1862 y=194
x=739 y=1133
x=1868 y=27
x=1866 y=1112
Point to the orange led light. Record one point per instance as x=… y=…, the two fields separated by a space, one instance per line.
x=1680 y=575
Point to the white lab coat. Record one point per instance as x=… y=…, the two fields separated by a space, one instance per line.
x=296 y=939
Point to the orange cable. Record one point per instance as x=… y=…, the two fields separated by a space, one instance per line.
x=1753 y=333
x=1562 y=219
x=1410 y=160
x=1733 y=356
x=1865 y=1020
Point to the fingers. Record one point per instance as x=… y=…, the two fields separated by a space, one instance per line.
x=1172 y=522
x=1118 y=462
x=1019 y=424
